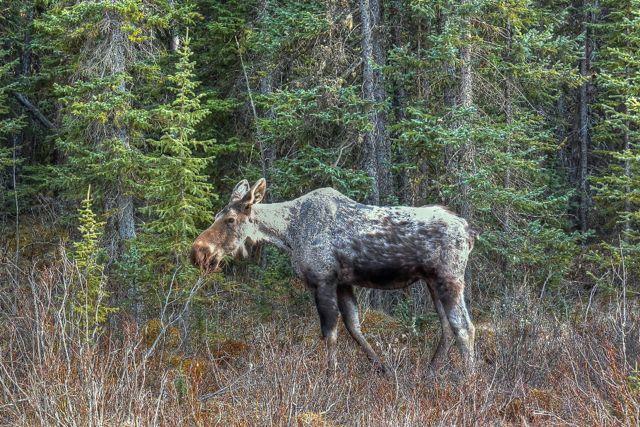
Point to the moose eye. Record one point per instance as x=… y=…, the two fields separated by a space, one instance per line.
x=230 y=220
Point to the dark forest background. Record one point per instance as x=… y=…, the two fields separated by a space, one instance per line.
x=124 y=125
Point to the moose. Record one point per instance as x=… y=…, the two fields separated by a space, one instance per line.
x=336 y=243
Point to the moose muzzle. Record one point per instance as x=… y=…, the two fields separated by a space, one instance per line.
x=204 y=257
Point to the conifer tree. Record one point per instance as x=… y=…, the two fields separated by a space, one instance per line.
x=90 y=296
x=489 y=105
x=100 y=53
x=9 y=126
x=517 y=197
x=617 y=131
x=98 y=50
x=177 y=195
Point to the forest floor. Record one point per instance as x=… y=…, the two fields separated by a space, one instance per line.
x=538 y=362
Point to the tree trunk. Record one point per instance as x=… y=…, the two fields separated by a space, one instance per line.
x=267 y=150
x=561 y=134
x=627 y=175
x=376 y=160
x=466 y=151
x=466 y=102
x=466 y=78
x=174 y=42
x=124 y=201
x=398 y=105
x=583 y=181
x=369 y=158
x=508 y=112
x=118 y=199
x=449 y=96
x=383 y=142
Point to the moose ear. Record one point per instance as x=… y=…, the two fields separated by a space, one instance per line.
x=256 y=193
x=258 y=190
x=240 y=190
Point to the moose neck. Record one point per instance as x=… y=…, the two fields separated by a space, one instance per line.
x=271 y=222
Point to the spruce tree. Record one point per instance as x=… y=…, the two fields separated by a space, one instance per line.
x=98 y=51
x=178 y=197
x=101 y=56
x=519 y=64
x=303 y=79
x=10 y=125
x=90 y=297
x=617 y=130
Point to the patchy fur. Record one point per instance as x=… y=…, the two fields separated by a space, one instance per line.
x=334 y=242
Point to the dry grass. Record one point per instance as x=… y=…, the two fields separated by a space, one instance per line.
x=533 y=369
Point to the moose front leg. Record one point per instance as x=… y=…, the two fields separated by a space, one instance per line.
x=327 y=305
x=348 y=306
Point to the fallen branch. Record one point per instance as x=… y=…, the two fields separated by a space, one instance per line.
x=34 y=111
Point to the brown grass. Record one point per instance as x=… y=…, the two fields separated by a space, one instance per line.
x=533 y=369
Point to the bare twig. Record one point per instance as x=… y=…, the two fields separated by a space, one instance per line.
x=165 y=326
x=253 y=105
x=15 y=199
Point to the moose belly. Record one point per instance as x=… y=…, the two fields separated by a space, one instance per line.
x=380 y=275
x=385 y=260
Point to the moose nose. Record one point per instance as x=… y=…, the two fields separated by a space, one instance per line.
x=200 y=253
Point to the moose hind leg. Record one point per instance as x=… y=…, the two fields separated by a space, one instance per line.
x=451 y=294
x=349 y=309
x=326 y=304
x=446 y=337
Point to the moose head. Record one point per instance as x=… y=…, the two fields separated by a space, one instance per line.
x=232 y=230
